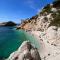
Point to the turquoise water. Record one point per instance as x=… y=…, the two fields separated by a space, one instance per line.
x=11 y=39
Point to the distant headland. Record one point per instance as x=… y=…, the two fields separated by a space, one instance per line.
x=9 y=23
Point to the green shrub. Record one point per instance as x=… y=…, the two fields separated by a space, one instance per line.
x=46 y=9
x=56 y=21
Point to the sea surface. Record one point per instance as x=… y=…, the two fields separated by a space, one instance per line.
x=11 y=39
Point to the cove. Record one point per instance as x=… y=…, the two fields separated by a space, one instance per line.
x=11 y=39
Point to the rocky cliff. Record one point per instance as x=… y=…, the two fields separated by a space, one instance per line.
x=45 y=26
x=49 y=16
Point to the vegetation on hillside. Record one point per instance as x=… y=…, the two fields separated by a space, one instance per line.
x=56 y=21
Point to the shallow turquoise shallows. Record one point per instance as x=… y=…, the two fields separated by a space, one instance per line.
x=11 y=39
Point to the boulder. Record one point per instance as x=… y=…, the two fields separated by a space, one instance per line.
x=25 y=52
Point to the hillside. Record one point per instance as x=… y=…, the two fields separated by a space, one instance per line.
x=45 y=26
x=50 y=15
x=9 y=23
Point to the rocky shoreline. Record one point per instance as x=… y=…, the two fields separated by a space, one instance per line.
x=25 y=52
x=50 y=44
x=46 y=28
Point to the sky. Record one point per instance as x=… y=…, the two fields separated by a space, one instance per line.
x=15 y=10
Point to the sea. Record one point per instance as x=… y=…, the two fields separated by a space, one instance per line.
x=11 y=39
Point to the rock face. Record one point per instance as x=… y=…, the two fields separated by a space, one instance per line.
x=25 y=52
x=10 y=23
x=53 y=35
x=46 y=27
x=49 y=16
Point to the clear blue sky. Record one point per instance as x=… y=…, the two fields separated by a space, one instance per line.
x=15 y=10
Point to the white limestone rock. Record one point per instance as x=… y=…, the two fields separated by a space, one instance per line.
x=25 y=52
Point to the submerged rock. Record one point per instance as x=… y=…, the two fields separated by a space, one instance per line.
x=25 y=52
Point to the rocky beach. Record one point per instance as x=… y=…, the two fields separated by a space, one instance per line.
x=45 y=26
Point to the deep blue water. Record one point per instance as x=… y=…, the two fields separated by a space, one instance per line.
x=11 y=39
